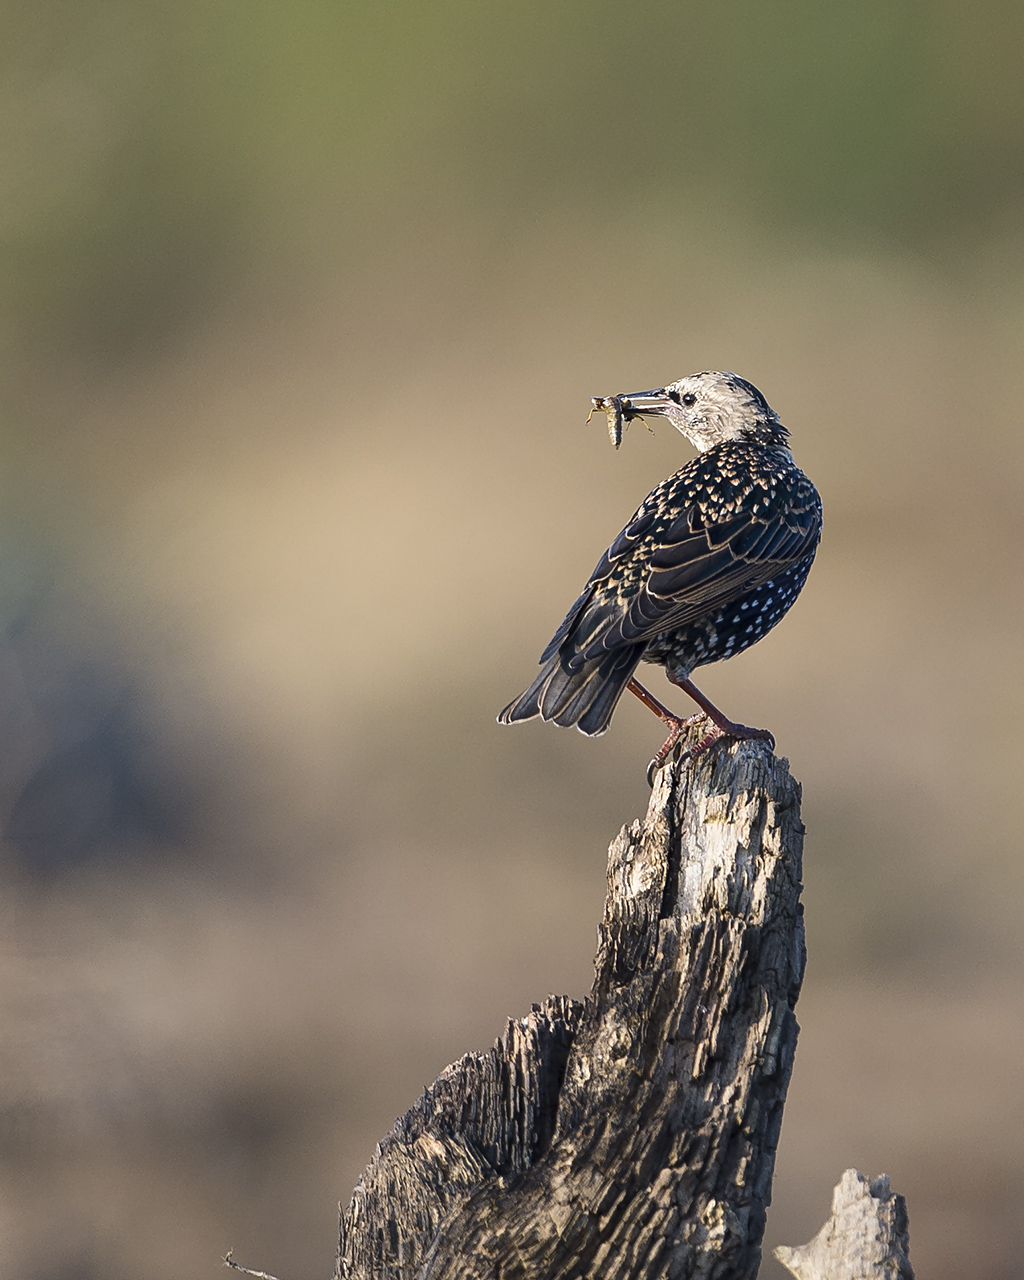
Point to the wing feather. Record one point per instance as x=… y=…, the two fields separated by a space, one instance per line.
x=697 y=563
x=690 y=549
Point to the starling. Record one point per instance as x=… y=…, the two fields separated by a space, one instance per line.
x=707 y=565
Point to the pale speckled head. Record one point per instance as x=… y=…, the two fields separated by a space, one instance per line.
x=710 y=408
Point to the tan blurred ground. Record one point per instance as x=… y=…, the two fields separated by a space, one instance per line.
x=318 y=490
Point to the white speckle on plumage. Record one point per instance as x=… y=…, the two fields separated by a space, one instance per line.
x=662 y=593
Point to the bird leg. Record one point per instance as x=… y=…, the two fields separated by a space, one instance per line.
x=675 y=725
x=723 y=726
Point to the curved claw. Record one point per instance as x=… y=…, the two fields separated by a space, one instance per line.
x=677 y=728
x=742 y=733
x=708 y=740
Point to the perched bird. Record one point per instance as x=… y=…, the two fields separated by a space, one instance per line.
x=707 y=565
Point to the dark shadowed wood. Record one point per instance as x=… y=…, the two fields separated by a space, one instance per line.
x=866 y=1238
x=633 y=1135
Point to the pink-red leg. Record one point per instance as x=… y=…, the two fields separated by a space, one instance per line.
x=723 y=726
x=676 y=726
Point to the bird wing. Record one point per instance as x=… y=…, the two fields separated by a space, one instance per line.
x=654 y=579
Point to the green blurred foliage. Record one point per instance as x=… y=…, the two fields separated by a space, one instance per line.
x=300 y=307
x=153 y=152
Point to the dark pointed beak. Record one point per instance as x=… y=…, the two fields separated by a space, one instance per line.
x=635 y=404
x=622 y=408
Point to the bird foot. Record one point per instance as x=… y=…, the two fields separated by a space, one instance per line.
x=677 y=729
x=741 y=732
x=744 y=733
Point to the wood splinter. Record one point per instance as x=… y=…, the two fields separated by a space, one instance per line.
x=866 y=1238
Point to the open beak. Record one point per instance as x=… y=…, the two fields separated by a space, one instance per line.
x=636 y=404
x=624 y=408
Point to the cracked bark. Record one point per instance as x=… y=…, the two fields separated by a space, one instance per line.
x=632 y=1135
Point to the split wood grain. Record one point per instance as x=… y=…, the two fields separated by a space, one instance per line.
x=633 y=1135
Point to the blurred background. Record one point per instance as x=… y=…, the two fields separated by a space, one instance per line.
x=301 y=307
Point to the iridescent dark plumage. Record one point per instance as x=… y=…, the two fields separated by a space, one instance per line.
x=709 y=563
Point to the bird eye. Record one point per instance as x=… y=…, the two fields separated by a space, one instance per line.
x=689 y=398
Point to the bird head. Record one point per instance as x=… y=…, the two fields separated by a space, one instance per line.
x=709 y=409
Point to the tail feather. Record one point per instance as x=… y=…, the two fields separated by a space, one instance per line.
x=527 y=705
x=585 y=691
x=559 y=690
x=585 y=697
x=595 y=719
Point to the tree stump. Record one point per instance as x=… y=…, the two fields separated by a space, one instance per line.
x=634 y=1134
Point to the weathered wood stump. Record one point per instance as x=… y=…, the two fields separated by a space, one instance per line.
x=632 y=1135
x=866 y=1238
